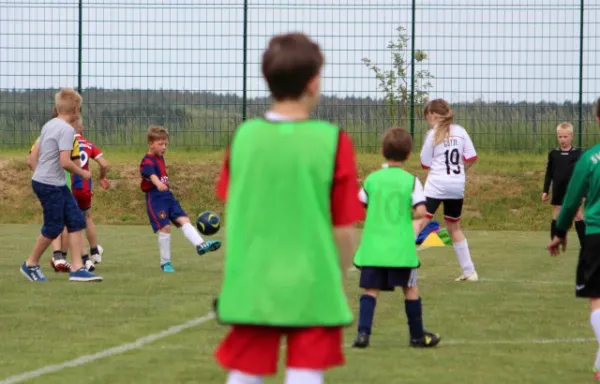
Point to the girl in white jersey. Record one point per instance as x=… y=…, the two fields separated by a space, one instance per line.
x=447 y=153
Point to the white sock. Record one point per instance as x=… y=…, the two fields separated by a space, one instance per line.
x=595 y=320
x=191 y=234
x=164 y=245
x=464 y=257
x=304 y=376
x=237 y=377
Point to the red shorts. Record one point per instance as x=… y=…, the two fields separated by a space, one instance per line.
x=83 y=198
x=254 y=350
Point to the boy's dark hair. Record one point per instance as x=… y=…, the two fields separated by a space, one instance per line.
x=289 y=63
x=397 y=144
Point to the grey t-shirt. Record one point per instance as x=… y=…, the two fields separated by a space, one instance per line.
x=57 y=135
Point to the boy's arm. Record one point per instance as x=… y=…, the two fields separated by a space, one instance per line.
x=346 y=208
x=575 y=191
x=98 y=157
x=223 y=182
x=469 y=153
x=548 y=176
x=427 y=151
x=32 y=157
x=68 y=165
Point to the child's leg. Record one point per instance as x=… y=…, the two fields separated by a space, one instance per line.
x=368 y=301
x=311 y=351
x=580 y=226
x=304 y=376
x=90 y=232
x=237 y=377
x=51 y=198
x=164 y=244
x=189 y=231
x=555 y=212
x=595 y=322
x=414 y=312
x=461 y=247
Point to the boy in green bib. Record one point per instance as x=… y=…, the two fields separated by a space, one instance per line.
x=387 y=255
x=291 y=191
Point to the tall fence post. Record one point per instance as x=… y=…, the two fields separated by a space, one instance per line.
x=581 y=74
x=80 y=47
x=412 y=69
x=245 y=65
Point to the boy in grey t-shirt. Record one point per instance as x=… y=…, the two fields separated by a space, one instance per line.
x=50 y=186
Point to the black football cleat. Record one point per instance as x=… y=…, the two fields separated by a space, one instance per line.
x=361 y=341
x=428 y=340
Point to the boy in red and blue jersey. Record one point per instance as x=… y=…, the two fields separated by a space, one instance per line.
x=162 y=206
x=82 y=191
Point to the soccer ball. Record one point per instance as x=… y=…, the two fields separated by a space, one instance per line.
x=208 y=223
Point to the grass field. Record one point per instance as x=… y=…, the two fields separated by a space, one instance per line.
x=520 y=324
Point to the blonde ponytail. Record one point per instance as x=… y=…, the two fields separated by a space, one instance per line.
x=442 y=109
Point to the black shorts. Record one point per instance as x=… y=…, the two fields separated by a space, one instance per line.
x=558 y=193
x=588 y=268
x=452 y=208
x=386 y=279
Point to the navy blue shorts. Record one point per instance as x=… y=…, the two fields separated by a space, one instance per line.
x=60 y=209
x=386 y=279
x=163 y=208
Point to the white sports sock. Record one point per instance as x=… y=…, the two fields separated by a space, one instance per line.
x=164 y=245
x=464 y=257
x=304 y=376
x=595 y=320
x=237 y=377
x=191 y=234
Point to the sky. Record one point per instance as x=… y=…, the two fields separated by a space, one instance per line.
x=498 y=50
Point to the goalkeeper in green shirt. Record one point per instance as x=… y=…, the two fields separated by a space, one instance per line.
x=585 y=182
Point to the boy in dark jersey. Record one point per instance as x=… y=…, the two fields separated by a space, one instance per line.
x=585 y=182
x=387 y=255
x=291 y=191
x=559 y=168
x=163 y=209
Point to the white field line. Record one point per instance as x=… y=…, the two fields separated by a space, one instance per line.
x=82 y=360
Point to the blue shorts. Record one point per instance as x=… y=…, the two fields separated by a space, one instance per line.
x=386 y=279
x=163 y=208
x=60 y=209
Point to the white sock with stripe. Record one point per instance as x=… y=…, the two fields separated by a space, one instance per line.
x=191 y=234
x=237 y=377
x=595 y=320
x=164 y=246
x=464 y=257
x=304 y=376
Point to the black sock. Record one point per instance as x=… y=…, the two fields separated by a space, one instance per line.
x=94 y=251
x=84 y=258
x=57 y=255
x=415 y=318
x=580 y=228
x=552 y=229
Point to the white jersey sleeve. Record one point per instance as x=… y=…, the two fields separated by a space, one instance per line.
x=362 y=196
x=446 y=178
x=418 y=196
x=427 y=150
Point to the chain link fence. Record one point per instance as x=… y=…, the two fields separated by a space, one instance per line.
x=512 y=70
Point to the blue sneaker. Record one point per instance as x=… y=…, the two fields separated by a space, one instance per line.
x=33 y=273
x=208 y=246
x=167 y=267
x=84 y=275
